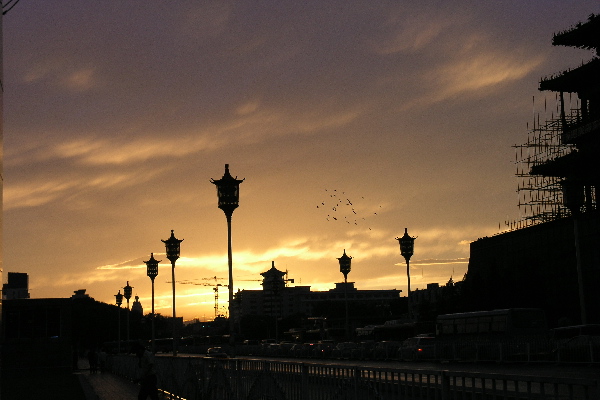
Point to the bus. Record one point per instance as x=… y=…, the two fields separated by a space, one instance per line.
x=565 y=333
x=505 y=322
x=399 y=330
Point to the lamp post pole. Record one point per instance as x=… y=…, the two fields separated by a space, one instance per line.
x=407 y=247
x=573 y=195
x=275 y=311
x=127 y=291
x=172 y=247
x=228 y=192
x=152 y=272
x=119 y=300
x=345 y=265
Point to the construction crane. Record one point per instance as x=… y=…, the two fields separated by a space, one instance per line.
x=216 y=285
x=288 y=280
x=215 y=288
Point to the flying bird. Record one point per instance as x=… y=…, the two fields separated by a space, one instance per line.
x=345 y=209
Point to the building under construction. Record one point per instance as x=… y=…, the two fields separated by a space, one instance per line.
x=550 y=258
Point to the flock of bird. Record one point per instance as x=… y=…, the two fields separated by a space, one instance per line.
x=339 y=208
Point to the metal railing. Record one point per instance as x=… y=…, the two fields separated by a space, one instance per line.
x=195 y=378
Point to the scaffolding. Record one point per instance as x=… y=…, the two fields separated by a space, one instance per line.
x=540 y=198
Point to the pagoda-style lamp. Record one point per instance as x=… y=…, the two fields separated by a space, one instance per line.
x=345 y=264
x=152 y=272
x=127 y=291
x=407 y=247
x=172 y=246
x=228 y=192
x=119 y=300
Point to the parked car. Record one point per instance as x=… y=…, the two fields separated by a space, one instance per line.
x=250 y=348
x=324 y=348
x=302 y=350
x=417 y=348
x=343 y=350
x=386 y=350
x=216 y=352
x=582 y=348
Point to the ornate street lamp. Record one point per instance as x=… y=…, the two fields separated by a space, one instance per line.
x=172 y=246
x=228 y=192
x=345 y=264
x=119 y=300
x=127 y=291
x=152 y=272
x=407 y=247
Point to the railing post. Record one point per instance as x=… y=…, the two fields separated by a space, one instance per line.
x=356 y=382
x=304 y=379
x=594 y=391
x=444 y=385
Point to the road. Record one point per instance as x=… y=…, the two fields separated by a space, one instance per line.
x=541 y=369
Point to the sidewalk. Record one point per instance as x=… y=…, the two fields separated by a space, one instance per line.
x=105 y=386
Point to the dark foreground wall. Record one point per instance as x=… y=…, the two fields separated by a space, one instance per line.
x=37 y=334
x=536 y=267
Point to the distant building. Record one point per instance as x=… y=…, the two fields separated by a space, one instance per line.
x=17 y=286
x=276 y=299
x=137 y=306
x=426 y=303
x=80 y=294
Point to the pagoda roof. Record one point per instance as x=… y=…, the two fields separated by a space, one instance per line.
x=273 y=272
x=584 y=35
x=578 y=80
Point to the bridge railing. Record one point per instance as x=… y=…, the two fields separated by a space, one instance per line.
x=208 y=378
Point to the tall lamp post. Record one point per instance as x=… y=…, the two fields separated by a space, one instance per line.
x=228 y=192
x=119 y=300
x=345 y=264
x=172 y=246
x=127 y=291
x=152 y=272
x=573 y=197
x=407 y=247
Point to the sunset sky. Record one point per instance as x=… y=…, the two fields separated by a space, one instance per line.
x=398 y=114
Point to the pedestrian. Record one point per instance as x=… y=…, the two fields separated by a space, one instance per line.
x=93 y=360
x=102 y=359
x=147 y=374
x=75 y=358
